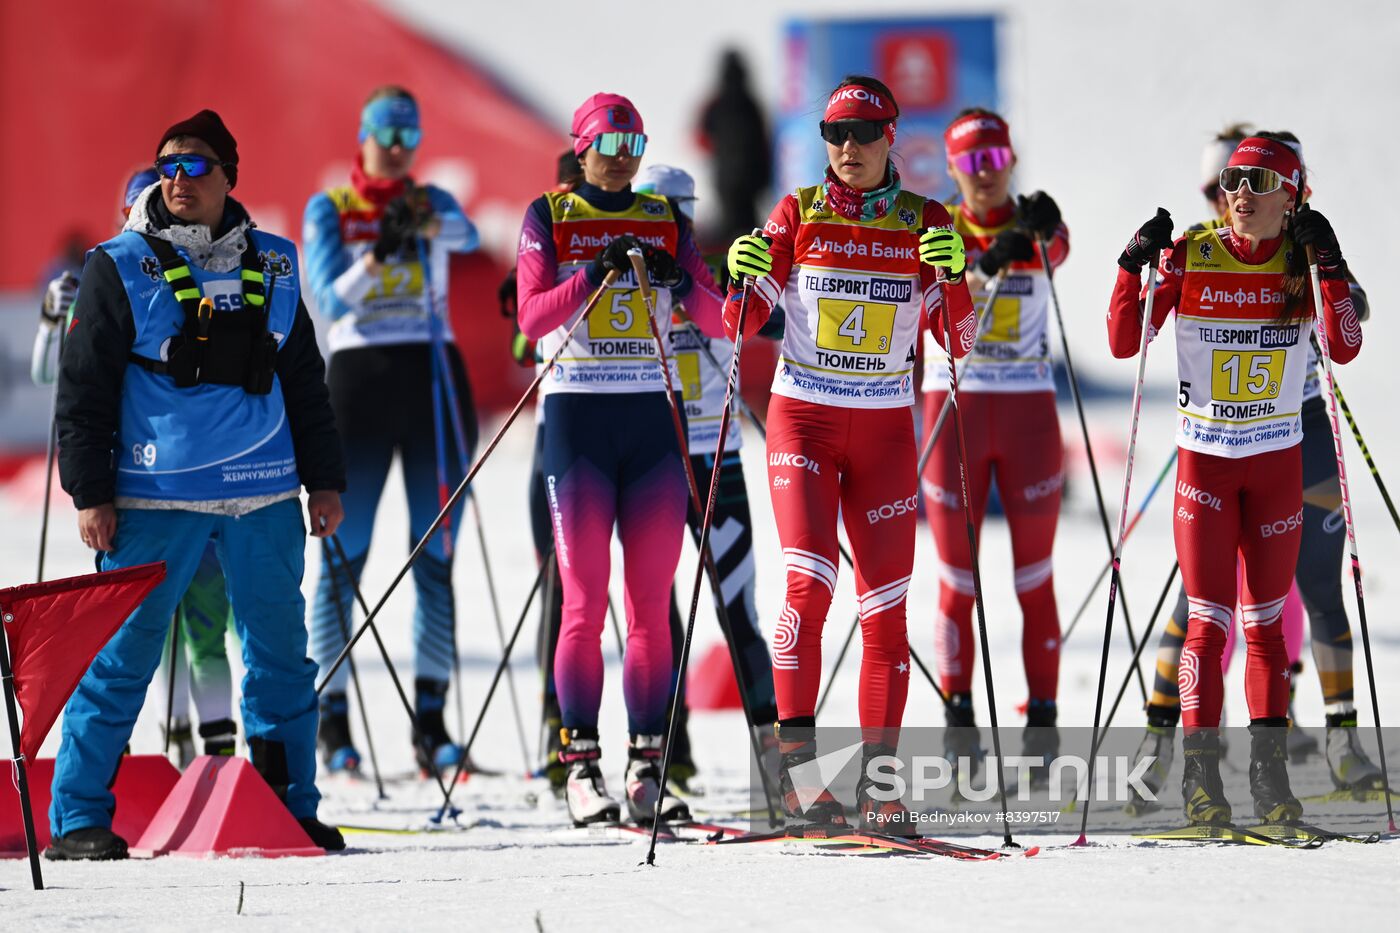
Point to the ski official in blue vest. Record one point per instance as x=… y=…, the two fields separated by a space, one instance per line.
x=192 y=403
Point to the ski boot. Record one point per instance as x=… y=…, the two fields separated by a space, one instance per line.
x=180 y=744
x=1351 y=768
x=962 y=744
x=433 y=748
x=1041 y=738
x=584 y=792
x=338 y=752
x=270 y=761
x=90 y=844
x=1201 y=788
x=1301 y=746
x=643 y=783
x=1159 y=742
x=876 y=815
x=805 y=800
x=219 y=737
x=1268 y=772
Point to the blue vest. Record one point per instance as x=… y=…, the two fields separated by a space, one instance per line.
x=205 y=442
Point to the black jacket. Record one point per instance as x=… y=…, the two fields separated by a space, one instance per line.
x=93 y=367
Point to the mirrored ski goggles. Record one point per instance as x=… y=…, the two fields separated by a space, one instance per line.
x=194 y=166
x=864 y=132
x=389 y=136
x=611 y=144
x=990 y=158
x=1260 y=180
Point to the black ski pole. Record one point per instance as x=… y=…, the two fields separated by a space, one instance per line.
x=451 y=503
x=1137 y=655
x=938 y=422
x=500 y=628
x=836 y=667
x=170 y=681
x=1325 y=356
x=1365 y=451
x=706 y=558
x=975 y=560
x=1108 y=564
x=1088 y=444
x=21 y=773
x=1142 y=645
x=491 y=690
x=354 y=669
x=617 y=629
x=850 y=637
x=1113 y=580
x=49 y=456
x=706 y=516
x=388 y=662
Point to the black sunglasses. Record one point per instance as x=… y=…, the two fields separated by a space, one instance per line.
x=862 y=131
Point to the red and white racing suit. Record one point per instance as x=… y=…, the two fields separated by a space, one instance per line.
x=1006 y=395
x=1241 y=367
x=840 y=434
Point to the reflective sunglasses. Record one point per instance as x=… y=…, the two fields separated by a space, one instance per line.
x=611 y=144
x=388 y=136
x=864 y=132
x=194 y=166
x=1260 y=180
x=993 y=158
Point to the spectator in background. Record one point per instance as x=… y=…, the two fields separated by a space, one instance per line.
x=377 y=251
x=734 y=133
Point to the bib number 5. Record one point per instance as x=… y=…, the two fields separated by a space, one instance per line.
x=625 y=315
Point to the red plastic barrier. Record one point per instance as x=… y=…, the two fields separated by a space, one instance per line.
x=222 y=806
x=143 y=783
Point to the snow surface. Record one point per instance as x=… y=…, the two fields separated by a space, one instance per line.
x=519 y=867
x=1110 y=104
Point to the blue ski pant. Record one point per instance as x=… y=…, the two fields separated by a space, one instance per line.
x=263 y=556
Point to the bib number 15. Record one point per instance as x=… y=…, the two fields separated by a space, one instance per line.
x=1246 y=375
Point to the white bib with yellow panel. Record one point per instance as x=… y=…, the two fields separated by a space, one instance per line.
x=614 y=351
x=1240 y=369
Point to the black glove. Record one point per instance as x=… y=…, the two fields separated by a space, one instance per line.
x=397 y=225
x=662 y=268
x=1312 y=229
x=614 y=255
x=1039 y=214
x=1150 y=239
x=507 y=295
x=1009 y=246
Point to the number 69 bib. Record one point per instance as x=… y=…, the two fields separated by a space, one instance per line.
x=1241 y=368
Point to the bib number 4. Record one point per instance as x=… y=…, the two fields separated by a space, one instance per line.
x=854 y=327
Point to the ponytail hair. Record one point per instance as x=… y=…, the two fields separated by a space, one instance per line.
x=1297 y=287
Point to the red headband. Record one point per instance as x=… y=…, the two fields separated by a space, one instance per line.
x=857 y=102
x=976 y=131
x=1258 y=152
